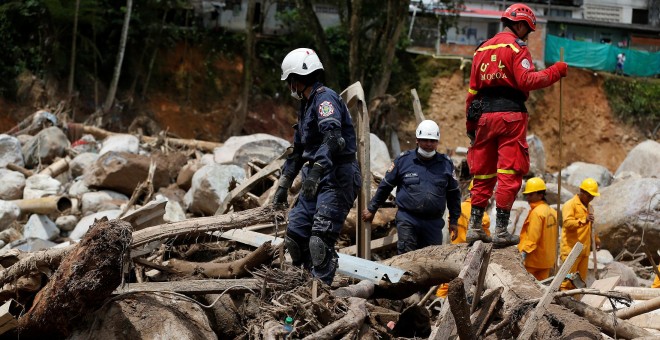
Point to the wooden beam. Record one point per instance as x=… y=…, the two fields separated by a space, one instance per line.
x=7 y=320
x=460 y=309
x=194 y=286
x=532 y=321
x=638 y=309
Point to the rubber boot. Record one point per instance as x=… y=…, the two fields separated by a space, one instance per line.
x=502 y=237
x=475 y=230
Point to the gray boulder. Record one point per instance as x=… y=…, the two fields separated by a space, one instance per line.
x=10 y=151
x=229 y=150
x=379 y=156
x=11 y=185
x=582 y=171
x=210 y=186
x=625 y=212
x=47 y=145
x=643 y=159
x=536 y=156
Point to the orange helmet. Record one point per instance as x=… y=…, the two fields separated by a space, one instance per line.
x=520 y=12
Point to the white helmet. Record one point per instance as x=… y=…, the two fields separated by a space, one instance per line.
x=428 y=129
x=302 y=61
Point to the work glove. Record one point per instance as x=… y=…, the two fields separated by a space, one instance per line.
x=282 y=192
x=311 y=183
x=562 y=67
x=523 y=255
x=472 y=136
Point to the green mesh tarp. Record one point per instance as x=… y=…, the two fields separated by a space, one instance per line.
x=601 y=57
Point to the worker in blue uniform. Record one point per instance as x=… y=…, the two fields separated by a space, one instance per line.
x=426 y=184
x=324 y=148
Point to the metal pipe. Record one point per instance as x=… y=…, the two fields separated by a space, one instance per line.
x=44 y=205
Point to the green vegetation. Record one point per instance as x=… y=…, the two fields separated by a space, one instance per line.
x=635 y=101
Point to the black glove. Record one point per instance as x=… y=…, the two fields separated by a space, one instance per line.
x=472 y=136
x=280 y=196
x=282 y=191
x=311 y=183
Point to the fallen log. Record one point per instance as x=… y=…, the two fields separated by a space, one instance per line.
x=45 y=262
x=639 y=293
x=204 y=224
x=232 y=270
x=363 y=289
x=194 y=286
x=85 y=278
x=354 y=318
x=189 y=143
x=639 y=309
x=608 y=324
x=440 y=264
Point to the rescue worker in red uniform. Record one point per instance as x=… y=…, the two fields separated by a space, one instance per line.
x=502 y=76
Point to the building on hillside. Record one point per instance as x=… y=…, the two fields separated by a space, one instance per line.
x=625 y=24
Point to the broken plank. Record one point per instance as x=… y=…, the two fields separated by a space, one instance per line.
x=480 y=280
x=460 y=309
x=417 y=106
x=147 y=216
x=445 y=326
x=377 y=244
x=247 y=184
x=537 y=313
x=480 y=317
x=194 y=286
x=602 y=285
x=7 y=320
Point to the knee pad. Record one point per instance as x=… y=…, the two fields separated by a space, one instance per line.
x=320 y=251
x=295 y=248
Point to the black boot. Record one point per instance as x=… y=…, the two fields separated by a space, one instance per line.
x=475 y=230
x=502 y=237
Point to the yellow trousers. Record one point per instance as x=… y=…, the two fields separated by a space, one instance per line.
x=539 y=273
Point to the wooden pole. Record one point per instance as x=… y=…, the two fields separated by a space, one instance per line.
x=417 y=106
x=593 y=245
x=639 y=309
x=561 y=164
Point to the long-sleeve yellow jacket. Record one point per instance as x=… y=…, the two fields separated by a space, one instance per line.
x=575 y=227
x=463 y=220
x=538 y=237
x=656 y=282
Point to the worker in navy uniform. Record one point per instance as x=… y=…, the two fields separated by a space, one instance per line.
x=324 y=148
x=426 y=185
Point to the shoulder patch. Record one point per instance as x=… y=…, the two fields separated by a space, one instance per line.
x=391 y=167
x=326 y=109
x=525 y=64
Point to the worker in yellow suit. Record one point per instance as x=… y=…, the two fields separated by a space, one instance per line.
x=578 y=219
x=538 y=237
x=459 y=236
x=656 y=282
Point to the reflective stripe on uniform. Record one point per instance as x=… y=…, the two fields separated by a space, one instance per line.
x=493 y=47
x=474 y=92
x=484 y=176
x=505 y=171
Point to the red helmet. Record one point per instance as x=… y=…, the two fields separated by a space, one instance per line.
x=520 y=12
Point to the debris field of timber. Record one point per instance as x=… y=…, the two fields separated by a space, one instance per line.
x=110 y=235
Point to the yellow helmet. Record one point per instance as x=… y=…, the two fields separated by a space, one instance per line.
x=471 y=185
x=591 y=186
x=534 y=184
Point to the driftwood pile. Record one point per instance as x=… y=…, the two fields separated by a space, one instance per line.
x=185 y=280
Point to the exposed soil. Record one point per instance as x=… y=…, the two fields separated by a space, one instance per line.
x=590 y=132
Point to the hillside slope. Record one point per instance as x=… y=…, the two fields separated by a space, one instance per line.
x=590 y=132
